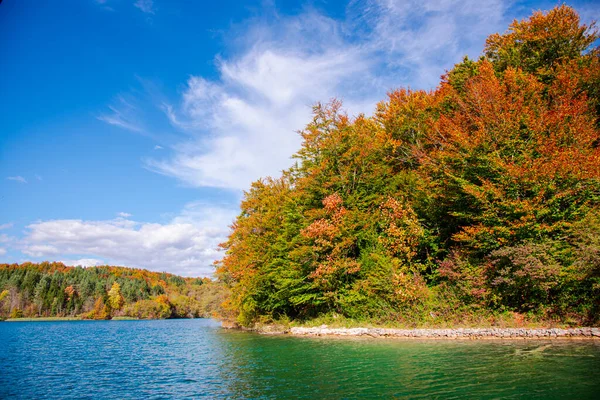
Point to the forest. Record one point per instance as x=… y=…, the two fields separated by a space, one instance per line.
x=476 y=201
x=55 y=290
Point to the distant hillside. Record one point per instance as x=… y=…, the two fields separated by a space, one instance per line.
x=54 y=289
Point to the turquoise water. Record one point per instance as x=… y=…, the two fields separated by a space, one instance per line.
x=196 y=358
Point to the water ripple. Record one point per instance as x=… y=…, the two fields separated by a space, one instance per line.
x=195 y=358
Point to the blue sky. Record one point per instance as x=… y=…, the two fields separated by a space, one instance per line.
x=129 y=128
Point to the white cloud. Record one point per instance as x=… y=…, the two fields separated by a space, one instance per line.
x=40 y=250
x=186 y=245
x=104 y=6
x=17 y=178
x=83 y=262
x=124 y=215
x=5 y=240
x=146 y=6
x=243 y=125
x=157 y=147
x=122 y=114
x=422 y=39
x=6 y=226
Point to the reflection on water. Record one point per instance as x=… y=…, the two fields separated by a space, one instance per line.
x=194 y=358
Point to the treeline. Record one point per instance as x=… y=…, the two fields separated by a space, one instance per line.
x=477 y=199
x=53 y=289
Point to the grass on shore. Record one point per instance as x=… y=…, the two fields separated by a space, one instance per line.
x=491 y=320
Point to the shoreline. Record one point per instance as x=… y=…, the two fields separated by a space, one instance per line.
x=71 y=319
x=447 y=334
x=42 y=319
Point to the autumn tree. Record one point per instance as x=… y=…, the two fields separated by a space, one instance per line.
x=468 y=195
x=53 y=289
x=101 y=310
x=539 y=44
x=115 y=298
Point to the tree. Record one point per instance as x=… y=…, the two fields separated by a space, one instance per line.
x=100 y=311
x=541 y=43
x=3 y=295
x=115 y=299
x=468 y=191
x=39 y=293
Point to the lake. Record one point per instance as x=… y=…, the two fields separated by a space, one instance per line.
x=196 y=358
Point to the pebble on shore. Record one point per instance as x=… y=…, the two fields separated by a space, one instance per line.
x=460 y=333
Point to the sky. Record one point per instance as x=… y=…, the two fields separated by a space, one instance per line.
x=130 y=128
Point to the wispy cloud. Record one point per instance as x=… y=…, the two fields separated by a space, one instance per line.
x=124 y=215
x=6 y=226
x=17 y=178
x=104 y=6
x=243 y=125
x=157 y=147
x=146 y=6
x=421 y=39
x=38 y=177
x=122 y=114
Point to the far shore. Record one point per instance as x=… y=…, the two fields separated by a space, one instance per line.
x=448 y=334
x=41 y=319
x=80 y=318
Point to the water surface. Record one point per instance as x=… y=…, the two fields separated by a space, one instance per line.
x=196 y=358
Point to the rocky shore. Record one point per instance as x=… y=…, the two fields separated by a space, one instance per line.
x=460 y=333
